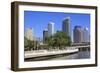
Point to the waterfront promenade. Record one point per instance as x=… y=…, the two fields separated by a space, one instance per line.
x=40 y=53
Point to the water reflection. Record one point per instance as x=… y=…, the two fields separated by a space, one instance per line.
x=78 y=55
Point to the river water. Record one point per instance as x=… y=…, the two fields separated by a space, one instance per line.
x=77 y=55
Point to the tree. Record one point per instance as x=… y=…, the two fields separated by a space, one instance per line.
x=60 y=39
x=29 y=44
x=25 y=42
x=51 y=42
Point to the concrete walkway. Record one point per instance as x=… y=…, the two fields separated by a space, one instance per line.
x=40 y=53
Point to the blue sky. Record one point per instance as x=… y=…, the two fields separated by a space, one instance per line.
x=39 y=20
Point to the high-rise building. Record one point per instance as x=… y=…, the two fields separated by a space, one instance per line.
x=45 y=35
x=50 y=28
x=86 y=35
x=78 y=34
x=66 y=26
x=29 y=34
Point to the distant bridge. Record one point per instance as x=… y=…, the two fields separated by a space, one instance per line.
x=81 y=44
x=82 y=47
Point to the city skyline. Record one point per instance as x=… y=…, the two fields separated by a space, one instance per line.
x=35 y=21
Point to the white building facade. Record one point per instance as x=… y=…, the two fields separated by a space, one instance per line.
x=50 y=28
x=29 y=34
x=86 y=36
